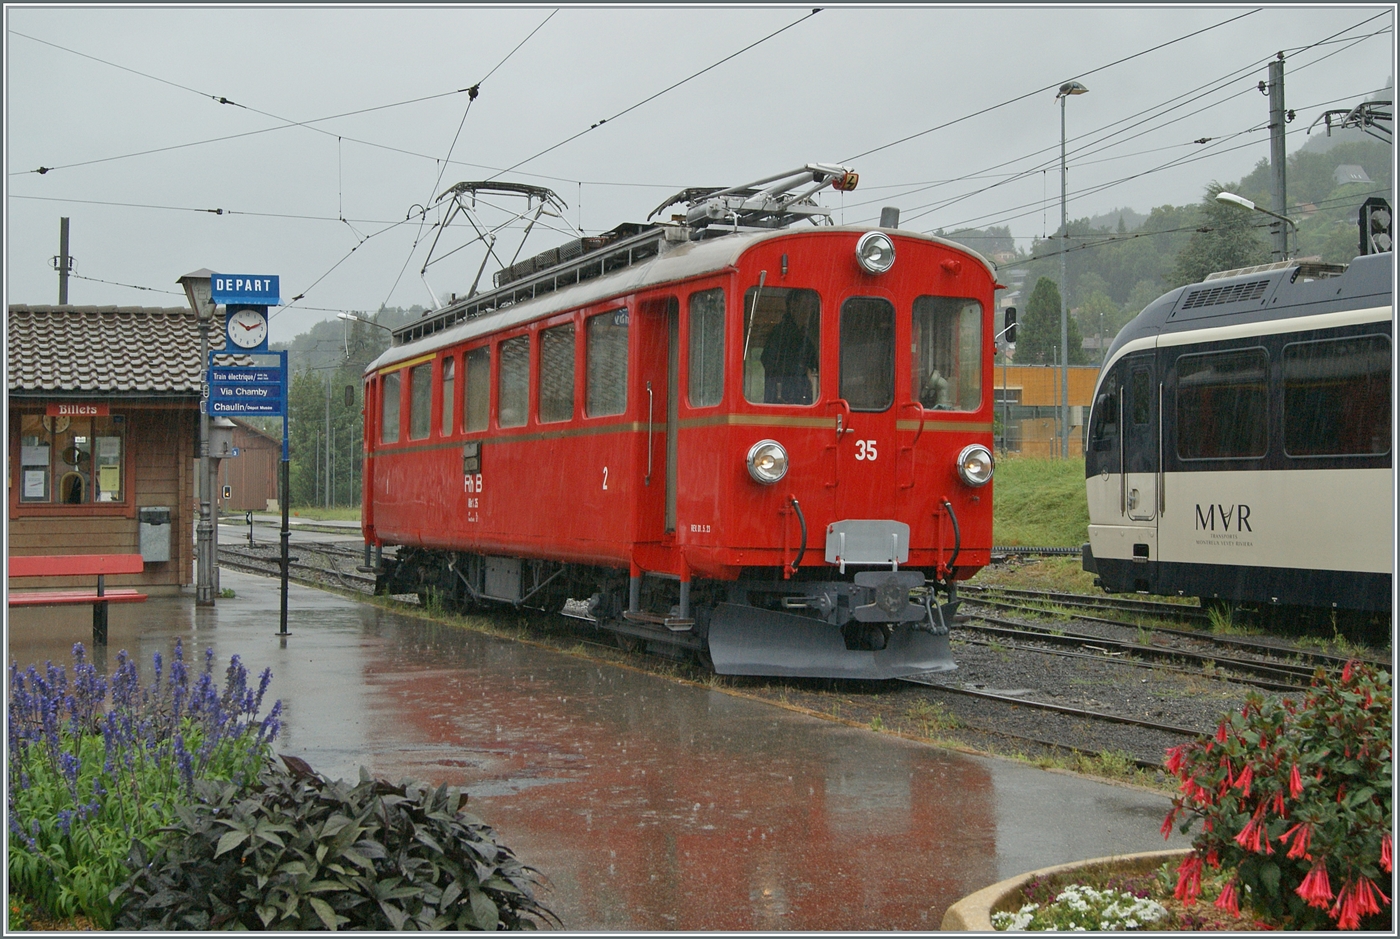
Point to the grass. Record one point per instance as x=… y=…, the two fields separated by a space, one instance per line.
x=1040 y=502
x=340 y=513
x=1064 y=574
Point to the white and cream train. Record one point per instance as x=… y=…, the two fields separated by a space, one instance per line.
x=1239 y=446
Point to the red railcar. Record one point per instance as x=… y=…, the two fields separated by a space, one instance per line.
x=767 y=446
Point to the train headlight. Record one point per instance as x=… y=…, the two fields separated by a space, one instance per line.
x=767 y=462
x=975 y=465
x=875 y=252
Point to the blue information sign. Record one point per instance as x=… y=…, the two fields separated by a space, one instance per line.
x=254 y=289
x=259 y=389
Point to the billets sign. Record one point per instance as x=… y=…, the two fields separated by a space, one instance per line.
x=259 y=389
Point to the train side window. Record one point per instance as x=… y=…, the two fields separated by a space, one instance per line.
x=1336 y=397
x=449 y=375
x=706 y=348
x=389 y=408
x=1105 y=428
x=782 y=340
x=1140 y=396
x=1222 y=405
x=513 y=390
x=557 y=373
x=867 y=353
x=420 y=400
x=606 y=339
x=478 y=389
x=946 y=370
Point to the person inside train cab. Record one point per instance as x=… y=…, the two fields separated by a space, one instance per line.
x=789 y=358
x=934 y=393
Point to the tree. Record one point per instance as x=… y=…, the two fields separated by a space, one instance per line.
x=1228 y=238
x=1038 y=334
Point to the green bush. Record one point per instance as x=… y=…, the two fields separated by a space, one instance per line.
x=1294 y=798
x=296 y=851
x=87 y=777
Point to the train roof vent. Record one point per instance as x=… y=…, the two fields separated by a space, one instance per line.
x=1226 y=293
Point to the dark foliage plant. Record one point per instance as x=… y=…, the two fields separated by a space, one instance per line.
x=1294 y=798
x=297 y=851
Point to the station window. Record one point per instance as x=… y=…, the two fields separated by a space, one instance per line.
x=1222 y=405
x=607 y=363
x=449 y=374
x=389 y=409
x=420 y=400
x=706 y=348
x=513 y=392
x=867 y=353
x=1336 y=397
x=782 y=337
x=947 y=360
x=478 y=389
x=77 y=461
x=557 y=373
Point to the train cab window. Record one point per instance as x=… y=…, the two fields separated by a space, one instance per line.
x=782 y=338
x=947 y=353
x=420 y=400
x=606 y=340
x=1104 y=427
x=389 y=408
x=478 y=389
x=449 y=374
x=706 y=348
x=1336 y=397
x=1222 y=405
x=867 y=353
x=513 y=390
x=1140 y=394
x=557 y=373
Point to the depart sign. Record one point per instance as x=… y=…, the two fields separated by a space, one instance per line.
x=250 y=289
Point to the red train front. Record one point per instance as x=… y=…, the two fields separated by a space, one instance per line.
x=720 y=435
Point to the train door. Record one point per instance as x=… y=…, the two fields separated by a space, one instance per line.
x=657 y=331
x=867 y=446
x=1141 y=464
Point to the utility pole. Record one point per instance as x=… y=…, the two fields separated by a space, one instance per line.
x=63 y=262
x=328 y=442
x=1278 y=157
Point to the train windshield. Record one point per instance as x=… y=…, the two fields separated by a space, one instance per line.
x=867 y=353
x=782 y=334
x=947 y=360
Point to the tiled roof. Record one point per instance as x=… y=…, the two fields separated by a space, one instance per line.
x=106 y=349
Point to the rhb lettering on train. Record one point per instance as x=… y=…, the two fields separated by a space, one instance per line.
x=1236 y=514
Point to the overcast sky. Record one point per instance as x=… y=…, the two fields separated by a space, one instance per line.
x=121 y=105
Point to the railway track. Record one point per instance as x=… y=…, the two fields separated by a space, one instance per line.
x=1076 y=696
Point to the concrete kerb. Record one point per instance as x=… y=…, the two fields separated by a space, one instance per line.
x=973 y=913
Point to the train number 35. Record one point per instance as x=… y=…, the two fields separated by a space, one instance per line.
x=865 y=450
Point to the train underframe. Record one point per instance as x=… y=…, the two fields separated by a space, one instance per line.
x=878 y=624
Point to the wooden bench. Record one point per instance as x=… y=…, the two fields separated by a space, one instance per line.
x=78 y=565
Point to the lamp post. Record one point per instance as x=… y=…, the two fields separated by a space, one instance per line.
x=1067 y=89
x=199 y=291
x=1229 y=198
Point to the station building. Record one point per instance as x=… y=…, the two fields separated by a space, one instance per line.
x=104 y=436
x=1028 y=407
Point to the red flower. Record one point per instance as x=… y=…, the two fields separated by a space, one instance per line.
x=1295 y=783
x=1252 y=837
x=1347 y=911
x=1366 y=894
x=1316 y=889
x=1227 y=899
x=1175 y=756
x=1278 y=805
x=1300 y=840
x=1245 y=777
x=1188 y=882
x=1213 y=859
x=1346 y=672
x=1167 y=825
x=1385 y=852
x=1220 y=733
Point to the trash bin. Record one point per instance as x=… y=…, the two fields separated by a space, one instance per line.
x=155 y=532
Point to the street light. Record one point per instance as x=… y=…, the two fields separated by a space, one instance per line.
x=1067 y=89
x=1229 y=198
x=199 y=291
x=352 y=318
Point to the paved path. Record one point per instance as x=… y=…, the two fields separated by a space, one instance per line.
x=648 y=805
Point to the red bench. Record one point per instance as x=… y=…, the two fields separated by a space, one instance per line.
x=78 y=565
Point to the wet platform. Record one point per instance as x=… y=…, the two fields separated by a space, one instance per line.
x=648 y=805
